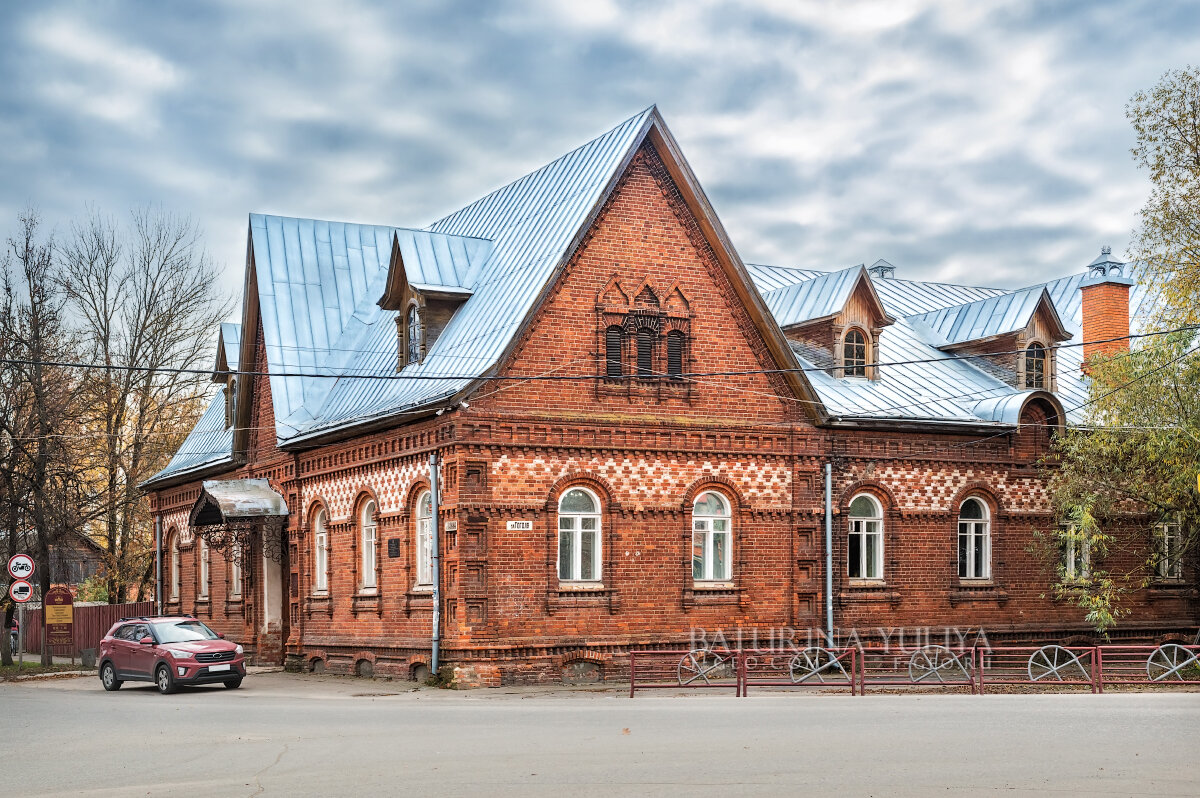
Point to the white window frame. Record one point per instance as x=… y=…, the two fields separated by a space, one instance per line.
x=864 y=527
x=235 y=573
x=320 y=553
x=1168 y=566
x=576 y=522
x=1077 y=559
x=204 y=568
x=368 y=535
x=414 y=330
x=975 y=528
x=424 y=539
x=176 y=563
x=705 y=531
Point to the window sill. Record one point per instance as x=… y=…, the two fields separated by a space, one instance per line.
x=235 y=606
x=581 y=587
x=981 y=590
x=713 y=594
x=713 y=587
x=868 y=591
x=1168 y=590
x=366 y=602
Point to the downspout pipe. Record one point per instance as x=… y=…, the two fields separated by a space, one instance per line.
x=435 y=500
x=829 y=553
x=158 y=564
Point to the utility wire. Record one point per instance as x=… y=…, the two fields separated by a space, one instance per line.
x=559 y=377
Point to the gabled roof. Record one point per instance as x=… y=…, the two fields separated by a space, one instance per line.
x=988 y=318
x=229 y=342
x=820 y=297
x=209 y=445
x=433 y=262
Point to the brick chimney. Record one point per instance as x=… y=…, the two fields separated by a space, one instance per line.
x=1105 y=292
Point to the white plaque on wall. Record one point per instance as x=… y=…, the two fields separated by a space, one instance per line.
x=520 y=526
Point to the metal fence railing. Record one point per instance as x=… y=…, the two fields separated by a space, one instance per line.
x=974 y=670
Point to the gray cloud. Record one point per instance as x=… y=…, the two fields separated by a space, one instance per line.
x=953 y=139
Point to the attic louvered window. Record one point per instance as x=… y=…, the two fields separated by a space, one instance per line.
x=645 y=353
x=1035 y=366
x=414 y=334
x=854 y=354
x=614 y=338
x=674 y=354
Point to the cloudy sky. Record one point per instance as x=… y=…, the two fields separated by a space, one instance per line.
x=966 y=141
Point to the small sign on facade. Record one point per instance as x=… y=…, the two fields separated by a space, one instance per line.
x=520 y=526
x=393 y=547
x=20 y=591
x=451 y=526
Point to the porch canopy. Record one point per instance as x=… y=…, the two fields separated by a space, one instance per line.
x=225 y=501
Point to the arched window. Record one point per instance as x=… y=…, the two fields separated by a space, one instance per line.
x=235 y=572
x=1035 y=366
x=974 y=541
x=367 y=527
x=864 y=552
x=425 y=539
x=579 y=536
x=320 y=553
x=645 y=352
x=203 y=553
x=414 y=334
x=854 y=354
x=614 y=338
x=711 y=538
x=175 y=565
x=674 y=354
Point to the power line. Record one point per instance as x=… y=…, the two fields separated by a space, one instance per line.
x=563 y=377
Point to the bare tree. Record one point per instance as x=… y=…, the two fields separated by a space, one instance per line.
x=146 y=305
x=41 y=470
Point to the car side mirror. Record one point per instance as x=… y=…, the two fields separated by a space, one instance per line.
x=221 y=635
x=147 y=641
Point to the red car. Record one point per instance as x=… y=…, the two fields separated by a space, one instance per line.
x=170 y=651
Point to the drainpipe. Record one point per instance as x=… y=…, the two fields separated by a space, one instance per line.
x=158 y=564
x=829 y=552
x=435 y=500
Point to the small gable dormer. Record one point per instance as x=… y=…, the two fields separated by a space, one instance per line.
x=834 y=321
x=428 y=280
x=1012 y=336
x=229 y=342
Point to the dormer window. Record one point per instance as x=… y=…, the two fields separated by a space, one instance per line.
x=854 y=354
x=413 y=334
x=1035 y=366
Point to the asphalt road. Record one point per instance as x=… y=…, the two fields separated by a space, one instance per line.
x=285 y=735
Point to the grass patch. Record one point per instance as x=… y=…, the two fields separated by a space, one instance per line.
x=33 y=668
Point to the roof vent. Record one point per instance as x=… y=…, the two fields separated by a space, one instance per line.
x=882 y=270
x=1105 y=266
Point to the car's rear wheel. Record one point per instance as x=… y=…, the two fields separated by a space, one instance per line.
x=162 y=680
x=233 y=684
x=108 y=677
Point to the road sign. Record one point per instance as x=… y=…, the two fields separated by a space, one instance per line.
x=21 y=591
x=20 y=566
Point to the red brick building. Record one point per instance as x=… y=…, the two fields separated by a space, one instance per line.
x=631 y=428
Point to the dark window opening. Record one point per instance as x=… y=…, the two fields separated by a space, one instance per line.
x=1035 y=366
x=854 y=354
x=645 y=353
x=674 y=354
x=614 y=336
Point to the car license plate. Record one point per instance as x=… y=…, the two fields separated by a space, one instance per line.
x=224 y=667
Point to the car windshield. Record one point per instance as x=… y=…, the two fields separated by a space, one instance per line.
x=183 y=632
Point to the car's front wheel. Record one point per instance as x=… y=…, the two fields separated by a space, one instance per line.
x=233 y=684
x=108 y=677
x=162 y=680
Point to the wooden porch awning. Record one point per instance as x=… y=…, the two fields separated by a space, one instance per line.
x=223 y=501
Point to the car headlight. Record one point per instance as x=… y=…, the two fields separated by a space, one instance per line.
x=179 y=654
x=238 y=649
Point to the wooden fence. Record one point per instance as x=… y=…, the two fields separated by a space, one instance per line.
x=92 y=622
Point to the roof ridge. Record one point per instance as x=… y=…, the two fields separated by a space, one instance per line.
x=569 y=154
